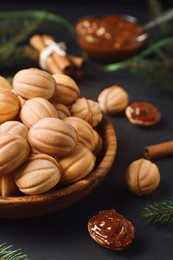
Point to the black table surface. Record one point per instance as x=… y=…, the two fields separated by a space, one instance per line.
x=63 y=235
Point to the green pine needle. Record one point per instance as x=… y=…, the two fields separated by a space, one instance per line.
x=13 y=39
x=37 y=14
x=159 y=213
x=6 y=253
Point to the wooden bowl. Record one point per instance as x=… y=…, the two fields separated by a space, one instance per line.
x=37 y=205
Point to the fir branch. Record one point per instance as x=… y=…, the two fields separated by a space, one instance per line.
x=148 y=70
x=159 y=213
x=6 y=253
x=41 y=14
x=155 y=7
x=11 y=45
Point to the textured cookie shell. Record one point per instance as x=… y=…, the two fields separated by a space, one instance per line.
x=22 y=100
x=113 y=100
x=9 y=106
x=33 y=82
x=52 y=136
x=15 y=128
x=66 y=90
x=35 y=109
x=14 y=150
x=88 y=110
x=38 y=175
x=76 y=165
x=84 y=130
x=142 y=177
x=5 y=84
x=62 y=110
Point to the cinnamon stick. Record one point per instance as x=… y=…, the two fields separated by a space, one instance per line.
x=62 y=61
x=71 y=65
x=37 y=42
x=78 y=64
x=158 y=150
x=77 y=61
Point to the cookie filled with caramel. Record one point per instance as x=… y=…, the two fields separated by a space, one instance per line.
x=108 y=38
x=143 y=113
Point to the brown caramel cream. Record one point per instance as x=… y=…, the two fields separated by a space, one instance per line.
x=107 y=36
x=111 y=230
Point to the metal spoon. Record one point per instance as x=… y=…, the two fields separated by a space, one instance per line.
x=166 y=16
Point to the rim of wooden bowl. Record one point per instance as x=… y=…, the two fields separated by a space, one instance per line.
x=26 y=206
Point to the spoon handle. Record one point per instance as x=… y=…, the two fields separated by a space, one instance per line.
x=166 y=16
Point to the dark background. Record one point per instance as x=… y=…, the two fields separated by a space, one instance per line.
x=15 y=3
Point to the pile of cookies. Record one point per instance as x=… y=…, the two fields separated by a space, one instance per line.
x=47 y=132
